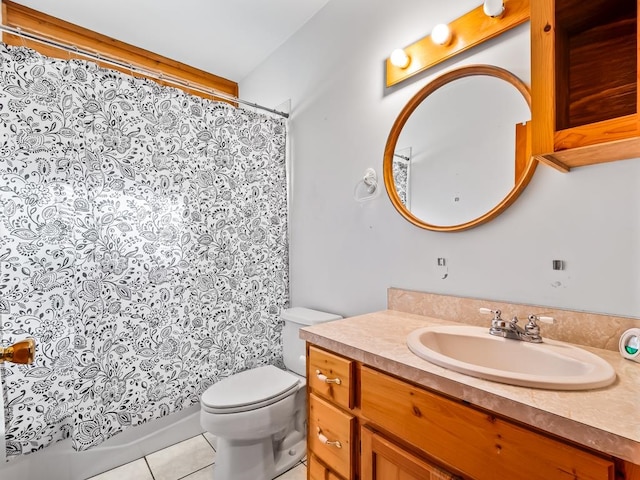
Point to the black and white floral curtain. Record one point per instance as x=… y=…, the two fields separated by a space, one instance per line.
x=400 y=167
x=143 y=244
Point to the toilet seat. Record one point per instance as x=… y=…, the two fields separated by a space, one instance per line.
x=249 y=390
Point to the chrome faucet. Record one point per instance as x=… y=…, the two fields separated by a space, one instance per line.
x=511 y=329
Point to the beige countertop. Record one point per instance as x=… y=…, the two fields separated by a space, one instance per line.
x=606 y=419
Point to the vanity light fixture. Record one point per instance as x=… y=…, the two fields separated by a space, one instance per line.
x=469 y=30
x=399 y=58
x=441 y=34
x=493 y=8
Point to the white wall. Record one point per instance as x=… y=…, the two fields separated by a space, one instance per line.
x=344 y=254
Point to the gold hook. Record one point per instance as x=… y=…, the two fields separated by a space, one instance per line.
x=20 y=352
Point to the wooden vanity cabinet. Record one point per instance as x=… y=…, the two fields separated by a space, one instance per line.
x=584 y=81
x=390 y=429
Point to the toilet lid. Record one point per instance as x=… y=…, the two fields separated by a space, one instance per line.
x=248 y=390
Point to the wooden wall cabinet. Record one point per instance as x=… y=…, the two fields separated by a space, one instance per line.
x=584 y=81
x=390 y=429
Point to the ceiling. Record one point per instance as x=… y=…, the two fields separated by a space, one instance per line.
x=229 y=38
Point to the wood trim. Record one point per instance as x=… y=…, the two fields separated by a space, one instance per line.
x=523 y=148
x=469 y=30
x=366 y=452
x=542 y=75
x=18 y=16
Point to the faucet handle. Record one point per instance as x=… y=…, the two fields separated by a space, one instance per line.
x=533 y=330
x=498 y=325
x=538 y=318
x=496 y=313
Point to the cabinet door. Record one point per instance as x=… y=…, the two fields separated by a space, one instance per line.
x=383 y=460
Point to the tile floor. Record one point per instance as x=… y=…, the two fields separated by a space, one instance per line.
x=191 y=459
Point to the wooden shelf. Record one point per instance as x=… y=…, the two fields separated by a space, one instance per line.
x=565 y=160
x=584 y=81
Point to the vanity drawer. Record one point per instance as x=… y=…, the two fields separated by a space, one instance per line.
x=477 y=443
x=331 y=436
x=317 y=471
x=331 y=376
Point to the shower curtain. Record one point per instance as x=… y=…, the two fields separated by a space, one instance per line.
x=143 y=244
x=400 y=167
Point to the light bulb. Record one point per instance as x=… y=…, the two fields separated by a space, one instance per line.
x=441 y=34
x=399 y=58
x=493 y=8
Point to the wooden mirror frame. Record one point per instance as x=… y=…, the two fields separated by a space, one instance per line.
x=525 y=163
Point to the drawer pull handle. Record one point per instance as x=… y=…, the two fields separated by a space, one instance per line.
x=323 y=378
x=326 y=441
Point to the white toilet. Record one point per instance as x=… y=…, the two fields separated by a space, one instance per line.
x=259 y=415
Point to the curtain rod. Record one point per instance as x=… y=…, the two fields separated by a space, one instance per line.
x=143 y=71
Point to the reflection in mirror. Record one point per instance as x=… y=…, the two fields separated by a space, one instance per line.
x=401 y=174
x=463 y=142
x=457 y=155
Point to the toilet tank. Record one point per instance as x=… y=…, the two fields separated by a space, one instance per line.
x=293 y=347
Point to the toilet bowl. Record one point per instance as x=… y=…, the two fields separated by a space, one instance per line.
x=259 y=416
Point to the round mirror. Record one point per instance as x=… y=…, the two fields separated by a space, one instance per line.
x=459 y=152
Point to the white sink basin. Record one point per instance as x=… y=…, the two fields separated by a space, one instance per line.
x=473 y=351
